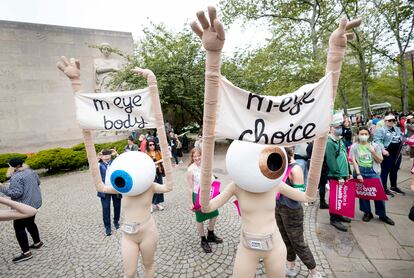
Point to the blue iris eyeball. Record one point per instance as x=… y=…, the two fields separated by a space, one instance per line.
x=131 y=173
x=255 y=167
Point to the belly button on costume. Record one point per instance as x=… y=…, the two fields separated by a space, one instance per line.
x=256 y=169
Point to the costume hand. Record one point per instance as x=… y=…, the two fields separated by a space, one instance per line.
x=70 y=68
x=340 y=36
x=212 y=35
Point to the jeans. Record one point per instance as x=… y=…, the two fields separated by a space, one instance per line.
x=365 y=205
x=20 y=227
x=158 y=198
x=304 y=165
x=174 y=155
x=390 y=165
x=106 y=209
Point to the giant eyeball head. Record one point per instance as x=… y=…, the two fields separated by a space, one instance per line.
x=131 y=173
x=254 y=167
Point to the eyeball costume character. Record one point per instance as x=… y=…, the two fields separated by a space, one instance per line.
x=131 y=174
x=256 y=170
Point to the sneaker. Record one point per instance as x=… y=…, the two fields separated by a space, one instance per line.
x=388 y=192
x=159 y=207
x=36 y=245
x=387 y=220
x=291 y=272
x=206 y=247
x=338 y=225
x=108 y=231
x=367 y=216
x=116 y=226
x=180 y=162
x=316 y=275
x=397 y=190
x=323 y=205
x=23 y=257
x=344 y=219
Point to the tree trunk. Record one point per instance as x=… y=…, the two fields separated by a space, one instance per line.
x=344 y=98
x=405 y=83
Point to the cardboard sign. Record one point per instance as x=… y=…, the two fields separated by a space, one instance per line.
x=214 y=191
x=342 y=198
x=370 y=189
x=284 y=120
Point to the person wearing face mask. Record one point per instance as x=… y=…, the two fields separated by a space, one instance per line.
x=366 y=158
x=390 y=138
x=337 y=163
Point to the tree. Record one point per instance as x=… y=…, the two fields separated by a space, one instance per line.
x=178 y=63
x=363 y=47
x=399 y=17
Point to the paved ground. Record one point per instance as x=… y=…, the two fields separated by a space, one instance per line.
x=75 y=246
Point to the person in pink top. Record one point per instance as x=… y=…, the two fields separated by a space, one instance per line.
x=143 y=145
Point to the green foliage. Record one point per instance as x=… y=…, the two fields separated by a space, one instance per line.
x=5 y=157
x=3 y=172
x=57 y=159
x=178 y=62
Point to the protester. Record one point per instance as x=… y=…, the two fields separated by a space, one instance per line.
x=143 y=144
x=347 y=133
x=104 y=163
x=289 y=218
x=131 y=146
x=24 y=188
x=366 y=158
x=410 y=132
x=390 y=139
x=172 y=141
x=193 y=182
x=338 y=166
x=301 y=158
x=154 y=152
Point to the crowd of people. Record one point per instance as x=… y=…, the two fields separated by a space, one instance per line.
x=364 y=152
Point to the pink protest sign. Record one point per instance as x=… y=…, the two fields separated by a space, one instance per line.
x=370 y=189
x=342 y=198
x=214 y=191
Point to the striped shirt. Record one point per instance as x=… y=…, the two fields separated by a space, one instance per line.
x=24 y=188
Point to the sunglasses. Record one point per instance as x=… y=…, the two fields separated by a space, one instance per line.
x=151 y=145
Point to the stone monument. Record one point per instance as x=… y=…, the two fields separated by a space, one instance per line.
x=105 y=68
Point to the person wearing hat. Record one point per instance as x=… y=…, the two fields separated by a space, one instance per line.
x=105 y=160
x=390 y=139
x=24 y=188
x=337 y=163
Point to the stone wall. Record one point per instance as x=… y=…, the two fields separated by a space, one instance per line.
x=36 y=103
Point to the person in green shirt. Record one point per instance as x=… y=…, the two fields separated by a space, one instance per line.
x=366 y=158
x=338 y=167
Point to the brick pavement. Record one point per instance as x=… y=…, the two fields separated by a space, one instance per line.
x=75 y=246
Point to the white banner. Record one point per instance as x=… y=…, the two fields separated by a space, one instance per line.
x=115 y=110
x=285 y=120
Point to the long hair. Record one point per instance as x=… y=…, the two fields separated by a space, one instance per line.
x=192 y=152
x=155 y=145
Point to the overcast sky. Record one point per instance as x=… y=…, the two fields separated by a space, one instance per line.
x=124 y=15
